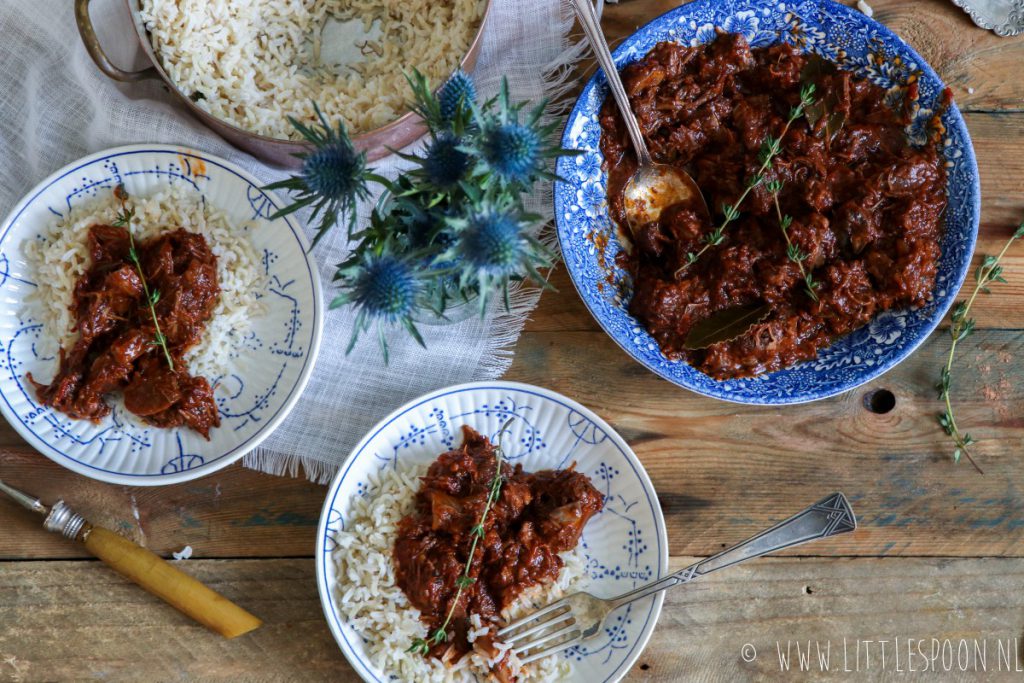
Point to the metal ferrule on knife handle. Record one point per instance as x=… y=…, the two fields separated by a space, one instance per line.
x=153 y=573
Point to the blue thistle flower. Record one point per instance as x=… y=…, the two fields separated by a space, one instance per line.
x=493 y=247
x=443 y=162
x=457 y=94
x=512 y=150
x=384 y=288
x=333 y=171
x=493 y=242
x=333 y=178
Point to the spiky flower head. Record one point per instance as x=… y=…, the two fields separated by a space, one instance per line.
x=385 y=289
x=511 y=150
x=457 y=95
x=333 y=171
x=444 y=163
x=333 y=178
x=494 y=246
x=450 y=108
x=493 y=242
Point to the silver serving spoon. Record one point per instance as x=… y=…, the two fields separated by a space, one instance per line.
x=654 y=187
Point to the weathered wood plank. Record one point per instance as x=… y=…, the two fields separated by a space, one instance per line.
x=723 y=470
x=982 y=68
x=234 y=513
x=123 y=634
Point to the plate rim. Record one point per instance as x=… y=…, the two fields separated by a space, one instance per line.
x=956 y=282
x=238 y=451
x=661 y=531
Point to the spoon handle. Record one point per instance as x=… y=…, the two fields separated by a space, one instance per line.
x=592 y=27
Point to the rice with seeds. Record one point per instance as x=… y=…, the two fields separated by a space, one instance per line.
x=253 y=63
x=370 y=602
x=57 y=259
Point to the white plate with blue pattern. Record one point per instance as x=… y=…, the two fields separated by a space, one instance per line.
x=625 y=544
x=263 y=382
x=845 y=37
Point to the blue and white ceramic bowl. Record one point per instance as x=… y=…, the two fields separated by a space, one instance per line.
x=854 y=42
x=625 y=544
x=263 y=382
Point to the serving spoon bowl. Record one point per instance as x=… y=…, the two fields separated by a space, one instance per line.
x=653 y=187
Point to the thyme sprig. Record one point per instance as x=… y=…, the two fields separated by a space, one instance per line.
x=990 y=271
x=422 y=645
x=124 y=220
x=793 y=251
x=770 y=149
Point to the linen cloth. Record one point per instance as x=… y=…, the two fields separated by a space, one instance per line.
x=55 y=107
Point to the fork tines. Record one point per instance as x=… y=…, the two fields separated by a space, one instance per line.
x=553 y=627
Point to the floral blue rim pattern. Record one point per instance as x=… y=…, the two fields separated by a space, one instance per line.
x=587 y=429
x=46 y=429
x=855 y=42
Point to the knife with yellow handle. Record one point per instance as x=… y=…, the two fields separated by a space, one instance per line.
x=144 y=568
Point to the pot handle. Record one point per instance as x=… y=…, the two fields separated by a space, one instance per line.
x=92 y=46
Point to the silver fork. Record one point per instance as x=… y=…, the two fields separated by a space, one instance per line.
x=581 y=616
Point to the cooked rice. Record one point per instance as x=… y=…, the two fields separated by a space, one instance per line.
x=252 y=62
x=371 y=603
x=59 y=257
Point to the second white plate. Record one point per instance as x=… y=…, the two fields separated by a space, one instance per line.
x=262 y=383
x=625 y=544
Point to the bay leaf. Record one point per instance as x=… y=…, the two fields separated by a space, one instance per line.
x=816 y=67
x=725 y=325
x=825 y=104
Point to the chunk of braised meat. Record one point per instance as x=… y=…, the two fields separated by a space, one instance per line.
x=116 y=349
x=167 y=398
x=536 y=517
x=866 y=206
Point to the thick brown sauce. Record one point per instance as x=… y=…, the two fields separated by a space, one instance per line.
x=116 y=349
x=536 y=517
x=866 y=205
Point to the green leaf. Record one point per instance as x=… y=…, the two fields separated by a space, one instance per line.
x=966 y=330
x=1019 y=234
x=956 y=455
x=807 y=89
x=811 y=286
x=958 y=311
x=419 y=646
x=725 y=325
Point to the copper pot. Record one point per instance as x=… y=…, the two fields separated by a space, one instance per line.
x=397 y=134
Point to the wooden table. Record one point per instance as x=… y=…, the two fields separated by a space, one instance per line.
x=938 y=555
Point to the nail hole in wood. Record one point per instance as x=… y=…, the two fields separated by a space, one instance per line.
x=808 y=591
x=645 y=667
x=879 y=401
